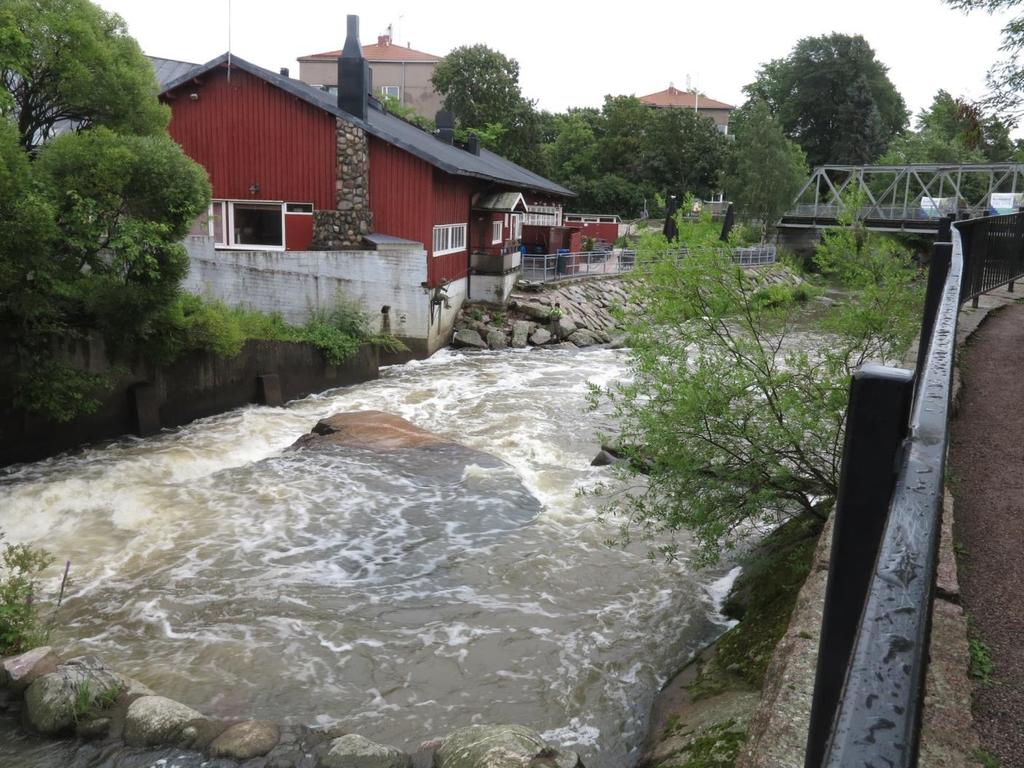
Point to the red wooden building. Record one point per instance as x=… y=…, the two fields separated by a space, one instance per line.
x=295 y=168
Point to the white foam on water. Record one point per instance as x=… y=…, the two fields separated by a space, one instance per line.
x=717 y=591
x=575 y=734
x=214 y=559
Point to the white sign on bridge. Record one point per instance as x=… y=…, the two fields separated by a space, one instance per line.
x=1006 y=202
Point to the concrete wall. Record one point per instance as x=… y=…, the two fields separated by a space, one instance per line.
x=494 y=289
x=296 y=283
x=143 y=399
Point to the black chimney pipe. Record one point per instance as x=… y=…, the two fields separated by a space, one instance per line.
x=445 y=122
x=473 y=144
x=284 y=71
x=353 y=74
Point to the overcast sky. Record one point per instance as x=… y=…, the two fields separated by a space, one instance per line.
x=573 y=53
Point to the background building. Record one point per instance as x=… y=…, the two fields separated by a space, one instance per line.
x=672 y=97
x=401 y=72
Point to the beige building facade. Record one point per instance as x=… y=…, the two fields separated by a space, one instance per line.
x=673 y=98
x=398 y=71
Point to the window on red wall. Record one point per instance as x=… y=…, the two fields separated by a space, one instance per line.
x=255 y=224
x=449 y=238
x=260 y=225
x=497 y=229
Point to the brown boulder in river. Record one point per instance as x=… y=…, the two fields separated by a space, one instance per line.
x=368 y=429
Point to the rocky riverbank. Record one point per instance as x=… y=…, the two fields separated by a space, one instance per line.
x=702 y=715
x=118 y=721
x=569 y=314
x=579 y=314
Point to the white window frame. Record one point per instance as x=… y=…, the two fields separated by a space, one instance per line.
x=217 y=218
x=228 y=222
x=386 y=90
x=448 y=238
x=544 y=215
x=497 y=232
x=517 y=226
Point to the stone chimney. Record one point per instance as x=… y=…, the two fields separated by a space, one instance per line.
x=383 y=40
x=353 y=74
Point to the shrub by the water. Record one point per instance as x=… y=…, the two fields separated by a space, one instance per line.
x=21 y=625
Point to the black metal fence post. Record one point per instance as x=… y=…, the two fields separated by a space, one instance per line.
x=942 y=253
x=876 y=424
x=975 y=267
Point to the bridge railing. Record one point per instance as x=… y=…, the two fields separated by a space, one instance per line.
x=878 y=212
x=873 y=655
x=560 y=266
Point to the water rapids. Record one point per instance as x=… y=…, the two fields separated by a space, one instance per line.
x=403 y=595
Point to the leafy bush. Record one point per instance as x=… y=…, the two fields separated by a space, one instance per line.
x=57 y=390
x=736 y=427
x=20 y=626
x=193 y=323
x=781 y=294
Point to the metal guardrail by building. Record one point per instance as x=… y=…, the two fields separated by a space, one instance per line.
x=560 y=266
x=870 y=683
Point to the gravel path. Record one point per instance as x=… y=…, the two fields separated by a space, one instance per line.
x=987 y=460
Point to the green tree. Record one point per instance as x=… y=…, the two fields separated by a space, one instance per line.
x=480 y=87
x=734 y=417
x=91 y=221
x=953 y=131
x=572 y=154
x=834 y=98
x=683 y=152
x=1006 y=78
x=123 y=205
x=478 y=84
x=620 y=135
x=68 y=63
x=764 y=169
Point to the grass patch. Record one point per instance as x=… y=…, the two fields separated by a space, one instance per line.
x=87 y=700
x=194 y=323
x=762 y=600
x=981 y=668
x=987 y=759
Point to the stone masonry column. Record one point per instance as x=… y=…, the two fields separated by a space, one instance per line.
x=346 y=226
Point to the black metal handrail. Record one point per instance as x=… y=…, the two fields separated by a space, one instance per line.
x=873 y=654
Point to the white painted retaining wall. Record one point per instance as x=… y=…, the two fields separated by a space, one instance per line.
x=297 y=283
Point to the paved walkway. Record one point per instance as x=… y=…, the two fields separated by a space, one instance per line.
x=987 y=474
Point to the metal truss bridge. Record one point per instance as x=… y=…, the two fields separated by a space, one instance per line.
x=906 y=198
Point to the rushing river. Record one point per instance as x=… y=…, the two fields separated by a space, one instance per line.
x=403 y=595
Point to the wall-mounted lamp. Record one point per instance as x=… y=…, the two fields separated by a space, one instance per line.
x=194 y=96
x=254 y=188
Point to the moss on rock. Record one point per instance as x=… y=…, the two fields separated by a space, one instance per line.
x=762 y=599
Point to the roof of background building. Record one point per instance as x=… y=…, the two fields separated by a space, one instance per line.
x=387 y=127
x=169 y=70
x=673 y=97
x=382 y=50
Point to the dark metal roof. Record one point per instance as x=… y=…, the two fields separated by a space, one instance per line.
x=169 y=70
x=387 y=127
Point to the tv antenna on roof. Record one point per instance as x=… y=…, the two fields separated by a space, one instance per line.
x=229 y=41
